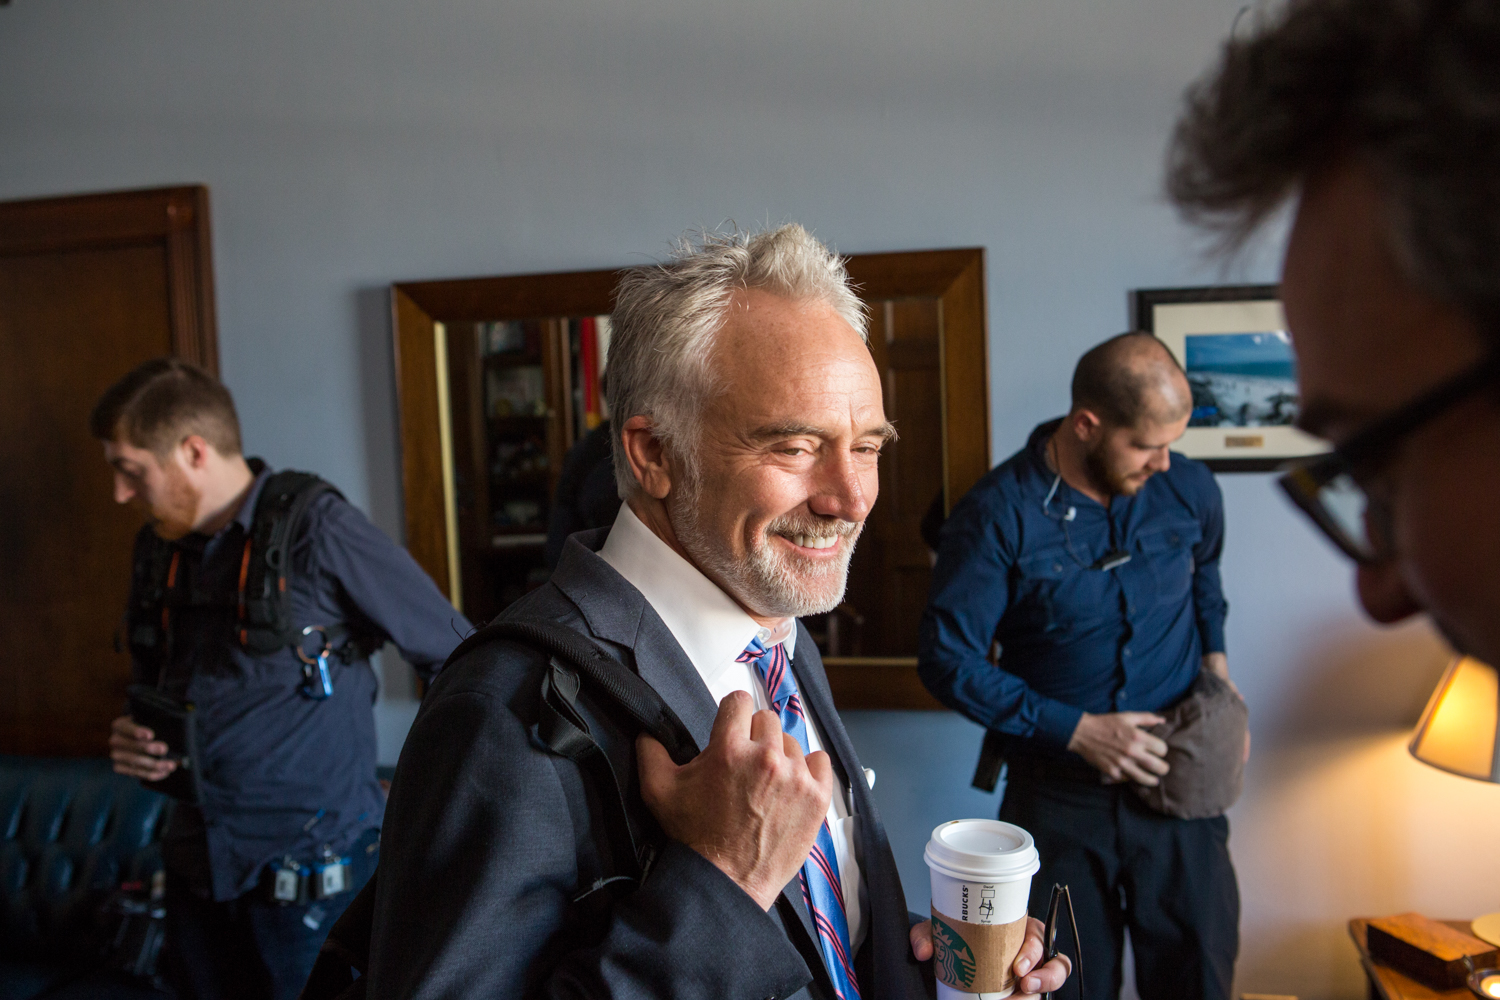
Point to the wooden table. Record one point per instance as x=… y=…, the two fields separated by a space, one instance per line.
x=1388 y=984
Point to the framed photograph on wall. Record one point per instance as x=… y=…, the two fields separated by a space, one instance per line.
x=1233 y=343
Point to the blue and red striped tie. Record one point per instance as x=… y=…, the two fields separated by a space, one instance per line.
x=821 y=888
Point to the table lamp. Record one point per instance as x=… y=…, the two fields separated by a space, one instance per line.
x=1457 y=732
x=1460 y=733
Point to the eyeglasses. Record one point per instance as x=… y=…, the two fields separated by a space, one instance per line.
x=1331 y=488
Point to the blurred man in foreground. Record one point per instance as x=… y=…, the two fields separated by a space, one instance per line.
x=1380 y=119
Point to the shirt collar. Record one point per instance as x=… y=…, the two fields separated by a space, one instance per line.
x=245 y=516
x=1041 y=484
x=1036 y=447
x=706 y=622
x=206 y=545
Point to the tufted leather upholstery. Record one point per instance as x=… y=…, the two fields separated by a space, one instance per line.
x=70 y=831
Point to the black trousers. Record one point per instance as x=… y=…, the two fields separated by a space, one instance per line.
x=253 y=948
x=1168 y=880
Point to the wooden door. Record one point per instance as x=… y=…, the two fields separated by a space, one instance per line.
x=89 y=287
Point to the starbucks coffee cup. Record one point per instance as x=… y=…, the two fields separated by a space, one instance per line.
x=981 y=879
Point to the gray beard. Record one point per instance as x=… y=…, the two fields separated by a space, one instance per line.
x=770 y=582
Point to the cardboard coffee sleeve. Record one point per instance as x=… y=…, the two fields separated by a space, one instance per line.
x=981 y=879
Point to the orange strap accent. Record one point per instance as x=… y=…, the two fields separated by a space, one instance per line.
x=166 y=606
x=244 y=575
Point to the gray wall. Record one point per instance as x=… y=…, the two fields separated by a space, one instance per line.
x=351 y=145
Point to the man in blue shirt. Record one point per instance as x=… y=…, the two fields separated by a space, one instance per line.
x=1091 y=558
x=287 y=771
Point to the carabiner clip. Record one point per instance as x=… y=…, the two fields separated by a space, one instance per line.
x=317 y=681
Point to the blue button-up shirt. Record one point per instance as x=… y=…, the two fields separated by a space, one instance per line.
x=1014 y=567
x=284 y=774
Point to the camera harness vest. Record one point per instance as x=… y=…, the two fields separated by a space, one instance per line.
x=263 y=616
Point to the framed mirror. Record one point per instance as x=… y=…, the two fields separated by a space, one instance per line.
x=497 y=378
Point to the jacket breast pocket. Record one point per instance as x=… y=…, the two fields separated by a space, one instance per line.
x=1168 y=552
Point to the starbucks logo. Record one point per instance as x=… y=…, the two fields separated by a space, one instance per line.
x=952 y=958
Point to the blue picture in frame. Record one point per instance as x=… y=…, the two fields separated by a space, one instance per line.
x=1242 y=379
x=1237 y=351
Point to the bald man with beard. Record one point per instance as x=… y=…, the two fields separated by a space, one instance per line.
x=1092 y=557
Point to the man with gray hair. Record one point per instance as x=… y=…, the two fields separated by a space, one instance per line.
x=748 y=423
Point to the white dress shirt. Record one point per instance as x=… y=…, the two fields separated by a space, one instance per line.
x=713 y=631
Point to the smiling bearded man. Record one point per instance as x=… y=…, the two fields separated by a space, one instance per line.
x=776 y=578
x=1091 y=558
x=748 y=423
x=796 y=562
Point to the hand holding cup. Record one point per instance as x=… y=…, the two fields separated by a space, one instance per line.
x=982 y=942
x=1041 y=980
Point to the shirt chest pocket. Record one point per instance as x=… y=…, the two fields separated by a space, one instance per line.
x=1167 y=552
x=1055 y=593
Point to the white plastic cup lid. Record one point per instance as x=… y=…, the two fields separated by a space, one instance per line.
x=982 y=850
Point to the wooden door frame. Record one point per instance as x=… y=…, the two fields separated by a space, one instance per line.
x=417 y=307
x=956 y=278
x=174 y=218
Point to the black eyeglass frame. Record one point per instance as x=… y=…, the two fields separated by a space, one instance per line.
x=1305 y=479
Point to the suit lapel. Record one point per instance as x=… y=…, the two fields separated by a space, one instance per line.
x=791 y=899
x=663 y=665
x=618 y=613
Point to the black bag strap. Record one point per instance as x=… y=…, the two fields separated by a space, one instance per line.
x=991 y=760
x=574 y=661
x=264 y=616
x=144 y=628
x=618 y=684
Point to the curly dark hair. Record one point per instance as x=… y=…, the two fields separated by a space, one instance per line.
x=1410 y=89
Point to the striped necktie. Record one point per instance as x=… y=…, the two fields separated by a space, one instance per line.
x=821 y=889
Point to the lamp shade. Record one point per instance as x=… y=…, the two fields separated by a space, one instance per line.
x=1458 y=728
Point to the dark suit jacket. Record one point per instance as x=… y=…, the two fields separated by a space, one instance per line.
x=478 y=853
